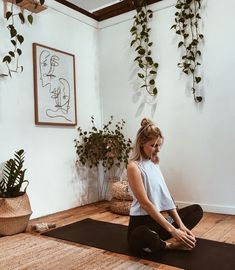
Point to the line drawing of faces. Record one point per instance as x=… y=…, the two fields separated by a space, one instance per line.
x=59 y=87
x=61 y=95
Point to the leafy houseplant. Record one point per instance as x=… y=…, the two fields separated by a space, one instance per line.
x=107 y=146
x=16 y=38
x=140 y=32
x=13 y=176
x=15 y=207
x=187 y=19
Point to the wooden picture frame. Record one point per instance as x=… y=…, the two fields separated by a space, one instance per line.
x=54 y=86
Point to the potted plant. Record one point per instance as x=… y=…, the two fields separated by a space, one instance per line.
x=15 y=209
x=106 y=146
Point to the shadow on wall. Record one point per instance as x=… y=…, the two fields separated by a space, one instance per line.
x=87 y=183
x=141 y=96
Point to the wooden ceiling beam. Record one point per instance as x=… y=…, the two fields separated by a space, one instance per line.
x=108 y=12
x=74 y=7
x=117 y=9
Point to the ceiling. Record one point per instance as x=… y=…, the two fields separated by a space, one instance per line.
x=93 y=5
x=102 y=9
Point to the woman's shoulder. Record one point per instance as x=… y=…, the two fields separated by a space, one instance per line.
x=132 y=166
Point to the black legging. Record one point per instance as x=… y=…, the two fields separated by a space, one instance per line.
x=144 y=232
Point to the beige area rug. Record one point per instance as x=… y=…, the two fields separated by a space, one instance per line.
x=25 y=251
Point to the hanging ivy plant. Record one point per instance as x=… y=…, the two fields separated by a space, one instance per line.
x=187 y=19
x=140 y=32
x=16 y=39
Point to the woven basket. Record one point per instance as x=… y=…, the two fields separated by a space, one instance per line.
x=14 y=214
x=119 y=190
x=120 y=206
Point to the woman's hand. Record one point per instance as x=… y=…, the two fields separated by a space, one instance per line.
x=185 y=238
x=186 y=230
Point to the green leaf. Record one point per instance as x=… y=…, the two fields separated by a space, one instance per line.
x=141 y=75
x=20 y=39
x=155 y=91
x=199 y=98
x=149 y=60
x=152 y=82
x=13 y=42
x=201 y=36
x=13 y=32
x=19 y=51
x=30 y=18
x=133 y=41
x=180 y=44
x=8 y=14
x=21 y=16
x=198 y=79
x=141 y=51
x=153 y=72
x=6 y=59
x=11 y=53
x=42 y=2
x=133 y=28
x=199 y=53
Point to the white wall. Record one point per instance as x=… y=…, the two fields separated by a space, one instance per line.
x=197 y=158
x=50 y=154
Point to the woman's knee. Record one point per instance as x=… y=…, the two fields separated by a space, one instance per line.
x=198 y=209
x=142 y=237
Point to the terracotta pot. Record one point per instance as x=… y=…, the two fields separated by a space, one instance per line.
x=14 y=214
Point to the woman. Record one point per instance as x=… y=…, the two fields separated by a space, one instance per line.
x=148 y=229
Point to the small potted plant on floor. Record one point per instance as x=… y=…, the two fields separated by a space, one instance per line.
x=107 y=147
x=15 y=209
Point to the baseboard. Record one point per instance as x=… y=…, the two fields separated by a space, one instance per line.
x=213 y=208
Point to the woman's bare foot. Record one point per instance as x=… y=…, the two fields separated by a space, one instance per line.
x=176 y=245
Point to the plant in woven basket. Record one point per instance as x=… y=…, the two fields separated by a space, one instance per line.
x=106 y=145
x=13 y=176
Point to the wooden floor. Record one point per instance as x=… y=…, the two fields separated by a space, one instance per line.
x=213 y=226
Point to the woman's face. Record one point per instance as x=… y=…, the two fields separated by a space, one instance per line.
x=152 y=147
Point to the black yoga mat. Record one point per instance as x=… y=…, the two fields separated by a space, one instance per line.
x=207 y=255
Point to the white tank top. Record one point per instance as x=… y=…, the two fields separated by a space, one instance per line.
x=155 y=187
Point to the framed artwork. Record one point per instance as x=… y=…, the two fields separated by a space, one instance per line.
x=54 y=86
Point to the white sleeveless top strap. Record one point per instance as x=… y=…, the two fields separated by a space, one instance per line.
x=155 y=187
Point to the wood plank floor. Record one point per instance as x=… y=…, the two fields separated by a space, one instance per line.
x=213 y=226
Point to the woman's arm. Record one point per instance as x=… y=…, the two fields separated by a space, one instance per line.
x=137 y=187
x=174 y=214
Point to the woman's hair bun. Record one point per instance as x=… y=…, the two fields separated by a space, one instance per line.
x=145 y=122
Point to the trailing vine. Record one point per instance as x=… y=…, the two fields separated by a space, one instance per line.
x=16 y=38
x=140 y=32
x=186 y=25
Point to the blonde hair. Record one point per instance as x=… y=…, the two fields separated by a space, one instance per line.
x=146 y=132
